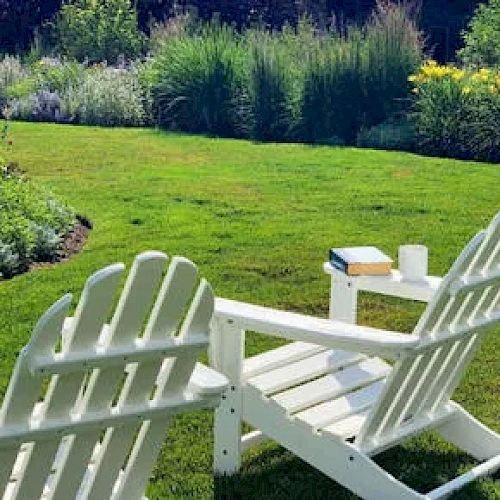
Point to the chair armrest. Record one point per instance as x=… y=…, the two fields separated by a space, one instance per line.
x=328 y=333
x=205 y=381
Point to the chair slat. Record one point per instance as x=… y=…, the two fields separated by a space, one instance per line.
x=7 y=460
x=304 y=370
x=35 y=470
x=395 y=381
x=489 y=249
x=449 y=385
x=347 y=428
x=197 y=322
x=429 y=374
x=327 y=413
x=397 y=414
x=146 y=449
x=439 y=306
x=332 y=385
x=276 y=358
x=23 y=391
x=455 y=352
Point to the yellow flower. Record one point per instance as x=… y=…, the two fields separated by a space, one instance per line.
x=493 y=90
x=466 y=90
x=458 y=74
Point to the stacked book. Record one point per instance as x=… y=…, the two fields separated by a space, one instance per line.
x=356 y=261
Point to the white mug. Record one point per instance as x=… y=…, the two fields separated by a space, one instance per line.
x=413 y=262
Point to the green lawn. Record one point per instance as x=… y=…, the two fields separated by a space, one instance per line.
x=258 y=220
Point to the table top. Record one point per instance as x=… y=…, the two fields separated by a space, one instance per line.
x=393 y=284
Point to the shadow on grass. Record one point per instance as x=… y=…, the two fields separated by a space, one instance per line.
x=276 y=473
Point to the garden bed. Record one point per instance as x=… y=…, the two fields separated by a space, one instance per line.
x=72 y=243
x=36 y=227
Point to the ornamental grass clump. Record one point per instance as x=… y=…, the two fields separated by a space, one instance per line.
x=270 y=89
x=358 y=77
x=457 y=111
x=200 y=81
x=332 y=99
x=393 y=51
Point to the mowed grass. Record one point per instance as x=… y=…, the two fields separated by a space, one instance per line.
x=258 y=221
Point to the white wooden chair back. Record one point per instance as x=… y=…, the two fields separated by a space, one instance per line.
x=97 y=429
x=466 y=305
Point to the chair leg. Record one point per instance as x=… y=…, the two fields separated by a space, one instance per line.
x=227 y=433
x=470 y=435
x=227 y=353
x=339 y=460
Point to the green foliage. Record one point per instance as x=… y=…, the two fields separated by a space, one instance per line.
x=482 y=38
x=457 y=113
x=199 y=82
x=332 y=97
x=270 y=90
x=99 y=30
x=32 y=222
x=11 y=72
x=399 y=135
x=393 y=46
x=56 y=76
x=357 y=78
x=106 y=96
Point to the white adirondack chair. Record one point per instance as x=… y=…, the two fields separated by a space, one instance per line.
x=97 y=429
x=330 y=400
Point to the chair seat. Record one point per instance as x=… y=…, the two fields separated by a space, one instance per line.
x=328 y=391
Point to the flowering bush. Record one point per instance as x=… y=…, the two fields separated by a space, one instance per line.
x=106 y=96
x=11 y=71
x=457 y=111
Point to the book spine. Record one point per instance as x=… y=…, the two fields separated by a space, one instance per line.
x=338 y=263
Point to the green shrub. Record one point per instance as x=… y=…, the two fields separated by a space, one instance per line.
x=106 y=96
x=389 y=135
x=99 y=30
x=32 y=222
x=457 y=112
x=393 y=51
x=482 y=39
x=357 y=78
x=270 y=90
x=332 y=99
x=56 y=76
x=22 y=88
x=11 y=72
x=199 y=82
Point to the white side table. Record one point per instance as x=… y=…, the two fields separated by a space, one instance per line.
x=344 y=290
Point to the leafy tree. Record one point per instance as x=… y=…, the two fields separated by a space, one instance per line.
x=482 y=39
x=99 y=30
